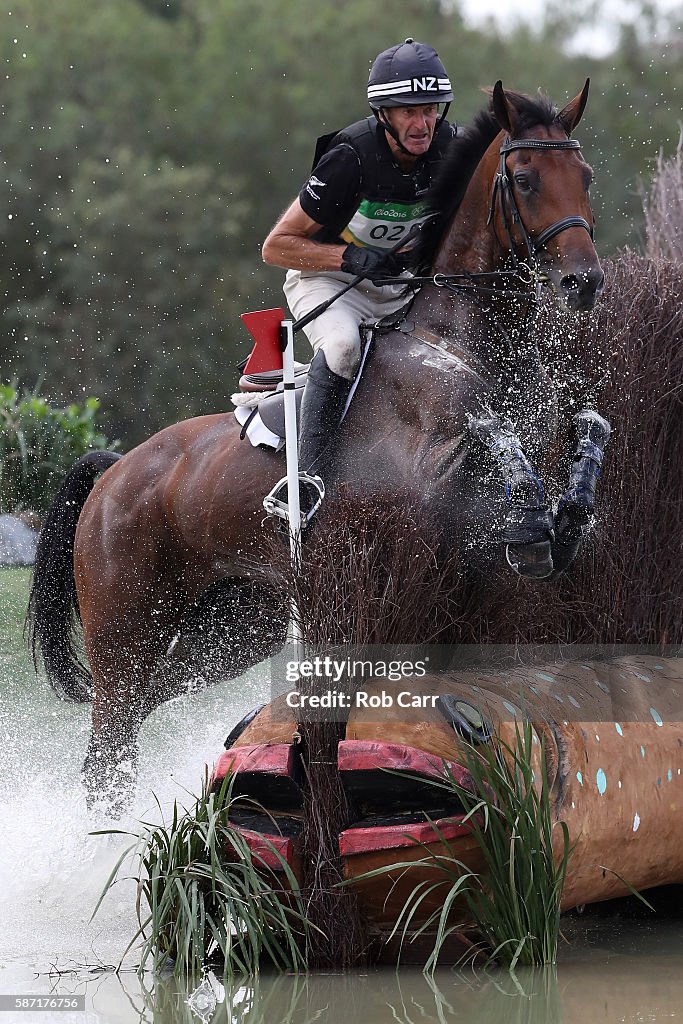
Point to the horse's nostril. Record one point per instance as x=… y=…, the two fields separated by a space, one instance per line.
x=570 y=283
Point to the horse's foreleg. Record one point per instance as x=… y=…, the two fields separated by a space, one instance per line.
x=528 y=527
x=577 y=504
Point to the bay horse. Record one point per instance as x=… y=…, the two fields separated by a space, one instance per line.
x=151 y=550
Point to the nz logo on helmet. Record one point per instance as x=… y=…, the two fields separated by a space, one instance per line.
x=430 y=83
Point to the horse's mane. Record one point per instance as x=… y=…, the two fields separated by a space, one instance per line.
x=462 y=158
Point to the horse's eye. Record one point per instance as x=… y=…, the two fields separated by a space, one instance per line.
x=523 y=183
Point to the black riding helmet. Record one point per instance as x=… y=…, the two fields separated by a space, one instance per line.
x=408 y=74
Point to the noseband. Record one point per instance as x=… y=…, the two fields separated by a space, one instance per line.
x=509 y=211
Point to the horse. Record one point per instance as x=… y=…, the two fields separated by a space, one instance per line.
x=152 y=550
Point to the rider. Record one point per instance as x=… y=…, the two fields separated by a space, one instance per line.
x=365 y=193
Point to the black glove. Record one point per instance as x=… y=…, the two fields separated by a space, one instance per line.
x=369 y=263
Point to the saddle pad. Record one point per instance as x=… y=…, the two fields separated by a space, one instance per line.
x=256 y=430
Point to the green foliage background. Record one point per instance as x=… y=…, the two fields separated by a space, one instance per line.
x=39 y=444
x=148 y=146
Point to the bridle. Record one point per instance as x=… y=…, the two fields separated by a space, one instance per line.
x=525 y=272
x=507 y=205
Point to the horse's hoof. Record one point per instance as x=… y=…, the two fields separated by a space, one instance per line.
x=563 y=556
x=533 y=560
x=571 y=521
x=528 y=537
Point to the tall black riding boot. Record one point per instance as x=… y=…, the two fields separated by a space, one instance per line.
x=322 y=407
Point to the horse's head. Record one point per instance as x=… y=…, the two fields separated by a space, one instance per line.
x=540 y=209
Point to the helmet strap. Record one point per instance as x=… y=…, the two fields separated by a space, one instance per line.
x=389 y=128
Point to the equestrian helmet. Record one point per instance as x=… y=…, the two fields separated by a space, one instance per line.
x=409 y=74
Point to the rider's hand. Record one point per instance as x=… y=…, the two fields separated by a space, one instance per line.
x=370 y=263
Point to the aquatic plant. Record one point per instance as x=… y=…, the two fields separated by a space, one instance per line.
x=206 y=898
x=515 y=901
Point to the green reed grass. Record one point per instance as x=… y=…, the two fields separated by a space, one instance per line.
x=515 y=902
x=204 y=898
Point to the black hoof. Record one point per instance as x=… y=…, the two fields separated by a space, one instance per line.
x=528 y=537
x=563 y=556
x=572 y=519
x=533 y=560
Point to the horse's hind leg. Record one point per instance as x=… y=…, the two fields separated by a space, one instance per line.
x=577 y=504
x=110 y=766
x=121 y=681
x=528 y=527
x=126 y=632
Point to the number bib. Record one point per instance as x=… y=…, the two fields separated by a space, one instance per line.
x=381 y=225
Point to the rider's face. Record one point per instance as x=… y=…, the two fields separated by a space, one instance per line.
x=413 y=125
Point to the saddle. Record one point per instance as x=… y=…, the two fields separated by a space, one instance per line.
x=260 y=402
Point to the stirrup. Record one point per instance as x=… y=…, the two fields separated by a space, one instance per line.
x=275 y=502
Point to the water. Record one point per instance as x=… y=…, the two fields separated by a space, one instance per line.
x=52 y=871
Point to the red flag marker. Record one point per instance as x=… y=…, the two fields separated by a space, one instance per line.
x=264 y=327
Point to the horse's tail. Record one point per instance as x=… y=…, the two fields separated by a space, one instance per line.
x=52 y=613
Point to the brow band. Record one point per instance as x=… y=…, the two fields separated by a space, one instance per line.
x=507 y=147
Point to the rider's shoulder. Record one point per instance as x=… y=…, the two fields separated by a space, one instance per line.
x=356 y=137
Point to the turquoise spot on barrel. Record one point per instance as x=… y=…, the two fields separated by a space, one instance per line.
x=618 y=728
x=579 y=777
x=511 y=708
x=534 y=689
x=605 y=689
x=601 y=781
x=572 y=700
x=655 y=717
x=544 y=675
x=669 y=775
x=646 y=679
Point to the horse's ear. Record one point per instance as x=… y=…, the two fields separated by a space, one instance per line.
x=501 y=109
x=570 y=115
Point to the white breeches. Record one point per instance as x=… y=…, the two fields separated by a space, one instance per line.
x=336 y=330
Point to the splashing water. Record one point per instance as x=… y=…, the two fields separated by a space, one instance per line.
x=52 y=868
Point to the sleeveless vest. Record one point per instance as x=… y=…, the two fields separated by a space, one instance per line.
x=391 y=201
